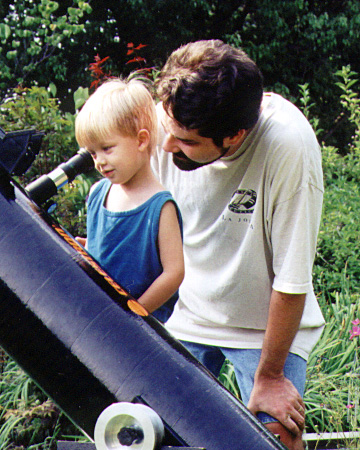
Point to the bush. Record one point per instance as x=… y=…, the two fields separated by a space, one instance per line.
x=337 y=245
x=37 y=108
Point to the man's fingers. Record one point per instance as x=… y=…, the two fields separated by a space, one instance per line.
x=290 y=425
x=294 y=422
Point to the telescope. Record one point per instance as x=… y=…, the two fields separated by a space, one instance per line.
x=111 y=367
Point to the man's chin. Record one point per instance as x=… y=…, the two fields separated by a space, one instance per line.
x=186 y=164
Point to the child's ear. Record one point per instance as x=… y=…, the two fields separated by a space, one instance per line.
x=143 y=139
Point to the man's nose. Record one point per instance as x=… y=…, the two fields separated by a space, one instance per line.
x=170 y=144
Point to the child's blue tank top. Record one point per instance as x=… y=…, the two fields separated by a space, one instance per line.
x=126 y=243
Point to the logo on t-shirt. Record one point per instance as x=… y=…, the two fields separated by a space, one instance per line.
x=243 y=201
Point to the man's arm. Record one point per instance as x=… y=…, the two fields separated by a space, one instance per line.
x=272 y=392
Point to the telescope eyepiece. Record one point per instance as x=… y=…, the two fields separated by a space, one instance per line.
x=82 y=162
x=42 y=189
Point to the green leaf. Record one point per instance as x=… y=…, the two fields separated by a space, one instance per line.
x=52 y=89
x=12 y=54
x=80 y=97
x=5 y=31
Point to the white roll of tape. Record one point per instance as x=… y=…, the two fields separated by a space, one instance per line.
x=128 y=426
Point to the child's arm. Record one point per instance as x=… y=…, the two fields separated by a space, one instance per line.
x=172 y=260
x=81 y=241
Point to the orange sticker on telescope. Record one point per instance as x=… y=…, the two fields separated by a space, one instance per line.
x=137 y=308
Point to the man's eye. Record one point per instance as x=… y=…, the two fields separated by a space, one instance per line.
x=189 y=143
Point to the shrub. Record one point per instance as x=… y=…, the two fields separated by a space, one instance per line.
x=337 y=245
x=37 y=108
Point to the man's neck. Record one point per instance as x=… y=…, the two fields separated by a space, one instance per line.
x=234 y=148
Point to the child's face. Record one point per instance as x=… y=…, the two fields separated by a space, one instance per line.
x=119 y=158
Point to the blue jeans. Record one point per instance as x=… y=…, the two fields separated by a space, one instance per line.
x=245 y=362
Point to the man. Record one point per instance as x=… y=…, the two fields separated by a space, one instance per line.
x=245 y=170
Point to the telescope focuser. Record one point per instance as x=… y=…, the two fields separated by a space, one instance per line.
x=18 y=150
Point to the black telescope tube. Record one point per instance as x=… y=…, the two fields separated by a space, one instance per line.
x=71 y=328
x=42 y=189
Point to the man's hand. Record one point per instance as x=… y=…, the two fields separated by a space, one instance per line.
x=279 y=398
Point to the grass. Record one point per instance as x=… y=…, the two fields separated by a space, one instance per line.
x=333 y=379
x=28 y=419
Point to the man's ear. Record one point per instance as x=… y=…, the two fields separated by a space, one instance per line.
x=234 y=140
x=143 y=139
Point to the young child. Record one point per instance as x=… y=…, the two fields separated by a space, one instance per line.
x=134 y=227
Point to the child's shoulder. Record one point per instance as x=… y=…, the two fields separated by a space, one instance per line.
x=97 y=187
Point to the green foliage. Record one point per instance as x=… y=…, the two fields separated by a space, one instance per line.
x=306 y=105
x=332 y=394
x=338 y=237
x=70 y=208
x=32 y=35
x=297 y=42
x=228 y=378
x=36 y=108
x=27 y=420
x=351 y=102
x=294 y=42
x=80 y=97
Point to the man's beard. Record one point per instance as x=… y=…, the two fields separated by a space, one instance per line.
x=184 y=163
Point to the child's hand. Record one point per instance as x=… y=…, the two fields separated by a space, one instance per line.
x=81 y=240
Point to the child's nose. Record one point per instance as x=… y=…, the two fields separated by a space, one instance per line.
x=100 y=160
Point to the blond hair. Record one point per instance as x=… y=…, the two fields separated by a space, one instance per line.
x=117 y=106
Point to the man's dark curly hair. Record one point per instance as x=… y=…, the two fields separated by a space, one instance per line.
x=211 y=87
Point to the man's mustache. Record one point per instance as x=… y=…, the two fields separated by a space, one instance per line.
x=184 y=163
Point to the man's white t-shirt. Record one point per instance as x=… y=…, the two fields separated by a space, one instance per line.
x=250 y=225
